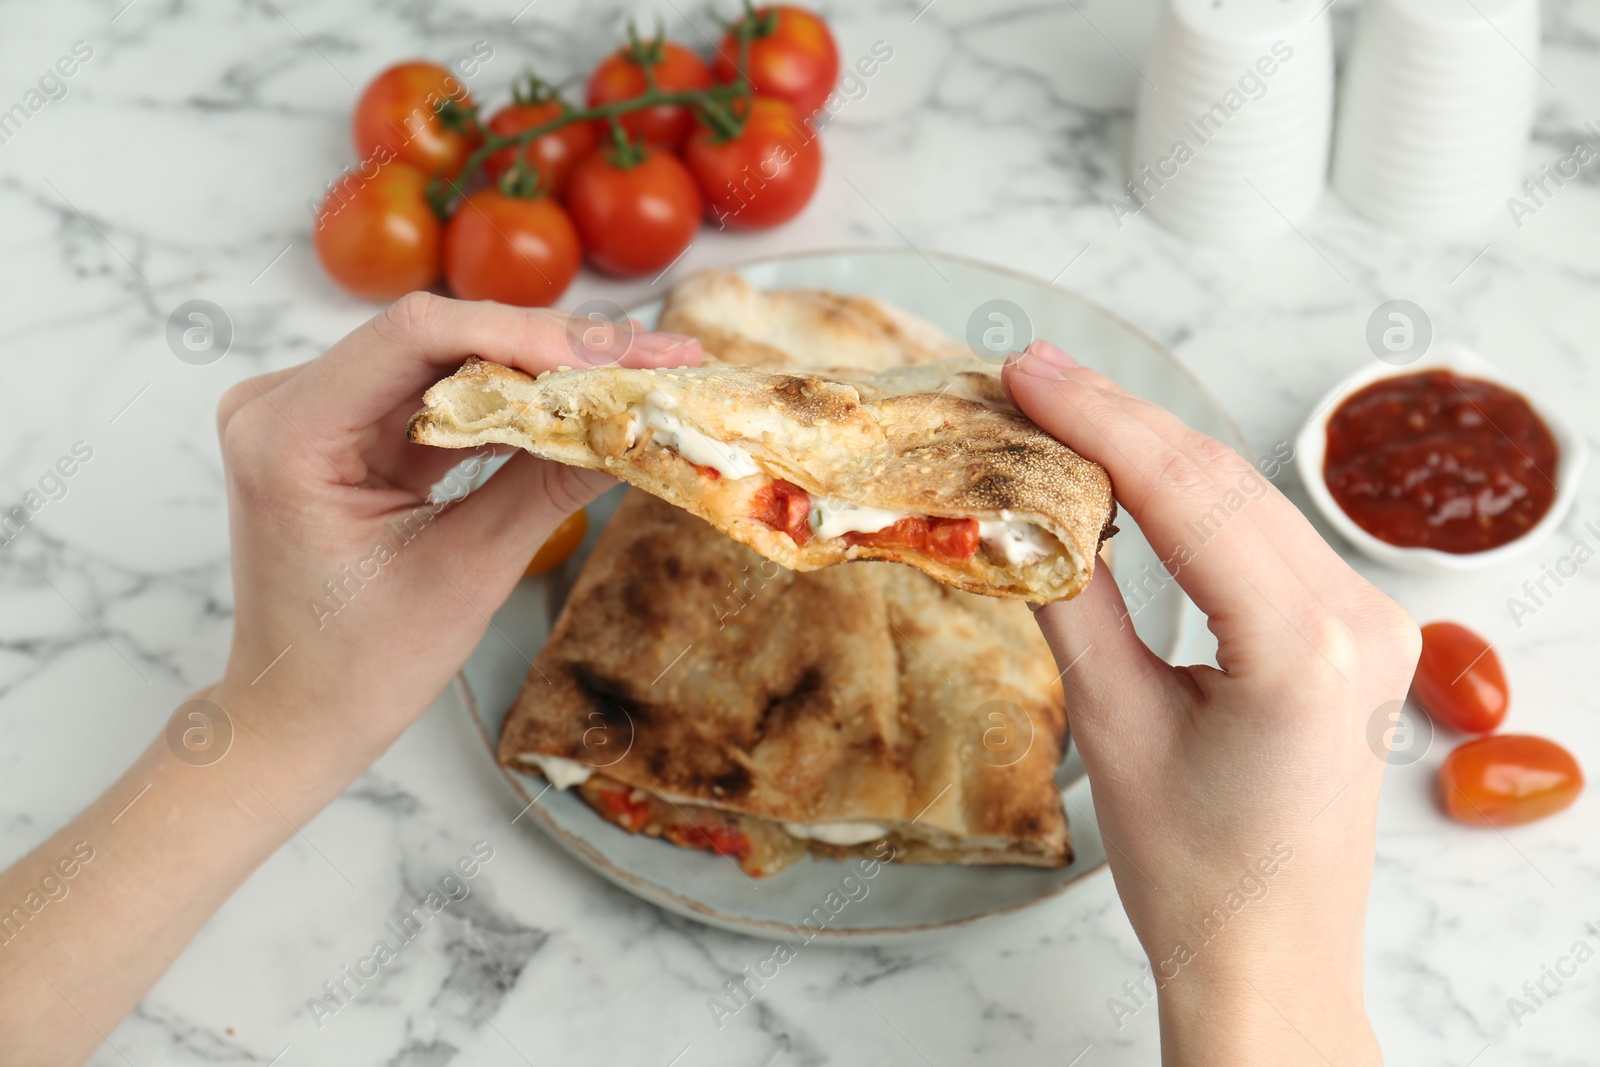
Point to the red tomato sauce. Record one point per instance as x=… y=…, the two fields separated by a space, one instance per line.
x=784 y=506
x=950 y=540
x=1435 y=460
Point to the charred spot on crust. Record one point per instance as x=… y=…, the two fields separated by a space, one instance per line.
x=782 y=709
x=734 y=782
x=995 y=488
x=809 y=400
x=608 y=697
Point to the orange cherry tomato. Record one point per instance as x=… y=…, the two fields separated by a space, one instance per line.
x=377 y=237
x=792 y=57
x=1508 y=779
x=761 y=177
x=399 y=117
x=621 y=77
x=513 y=249
x=562 y=544
x=553 y=155
x=1459 y=680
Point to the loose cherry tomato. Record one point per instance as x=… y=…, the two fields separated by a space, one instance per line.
x=419 y=113
x=552 y=155
x=1459 y=681
x=634 y=217
x=561 y=544
x=378 y=237
x=621 y=76
x=513 y=249
x=762 y=176
x=1508 y=779
x=792 y=56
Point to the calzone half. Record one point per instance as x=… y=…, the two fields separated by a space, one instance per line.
x=695 y=692
x=929 y=465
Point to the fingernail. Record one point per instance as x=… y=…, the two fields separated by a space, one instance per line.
x=658 y=343
x=1052 y=355
x=1035 y=366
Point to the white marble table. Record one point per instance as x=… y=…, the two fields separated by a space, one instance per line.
x=178 y=165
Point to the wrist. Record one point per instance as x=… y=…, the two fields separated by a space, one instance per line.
x=1261 y=1015
x=288 y=744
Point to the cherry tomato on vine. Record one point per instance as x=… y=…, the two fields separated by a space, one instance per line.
x=562 y=543
x=634 y=217
x=418 y=113
x=378 y=237
x=792 y=56
x=1508 y=779
x=620 y=76
x=762 y=176
x=1459 y=679
x=553 y=155
x=512 y=249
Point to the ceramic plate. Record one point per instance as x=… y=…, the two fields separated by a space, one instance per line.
x=901 y=901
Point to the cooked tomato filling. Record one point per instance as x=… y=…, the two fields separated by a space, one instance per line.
x=709 y=472
x=638 y=812
x=784 y=506
x=951 y=540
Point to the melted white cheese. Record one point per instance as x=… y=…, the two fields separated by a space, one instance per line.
x=835 y=518
x=730 y=461
x=562 y=773
x=1018 y=542
x=837 y=833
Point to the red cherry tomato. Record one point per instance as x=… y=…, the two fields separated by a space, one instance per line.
x=634 y=219
x=620 y=76
x=516 y=250
x=377 y=237
x=399 y=117
x=1459 y=681
x=792 y=57
x=1508 y=779
x=761 y=177
x=553 y=155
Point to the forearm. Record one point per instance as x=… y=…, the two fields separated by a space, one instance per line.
x=91 y=918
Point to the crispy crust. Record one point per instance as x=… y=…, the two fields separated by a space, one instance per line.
x=934 y=440
x=811 y=328
x=685 y=665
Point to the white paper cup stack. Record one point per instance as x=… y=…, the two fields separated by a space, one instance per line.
x=1437 y=106
x=1231 y=140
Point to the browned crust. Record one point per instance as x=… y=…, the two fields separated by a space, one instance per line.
x=807 y=328
x=686 y=665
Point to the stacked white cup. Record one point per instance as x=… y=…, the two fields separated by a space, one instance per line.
x=1437 y=106
x=1235 y=116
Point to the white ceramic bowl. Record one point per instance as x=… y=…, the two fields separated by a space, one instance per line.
x=1311 y=446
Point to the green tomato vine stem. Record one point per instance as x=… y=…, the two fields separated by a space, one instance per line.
x=718 y=105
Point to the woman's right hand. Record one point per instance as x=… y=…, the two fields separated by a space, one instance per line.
x=1238 y=805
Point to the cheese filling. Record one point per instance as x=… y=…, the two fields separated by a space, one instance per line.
x=835 y=518
x=837 y=833
x=562 y=773
x=730 y=461
x=1018 y=542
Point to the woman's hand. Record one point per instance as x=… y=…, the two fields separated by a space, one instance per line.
x=356 y=598
x=1238 y=805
